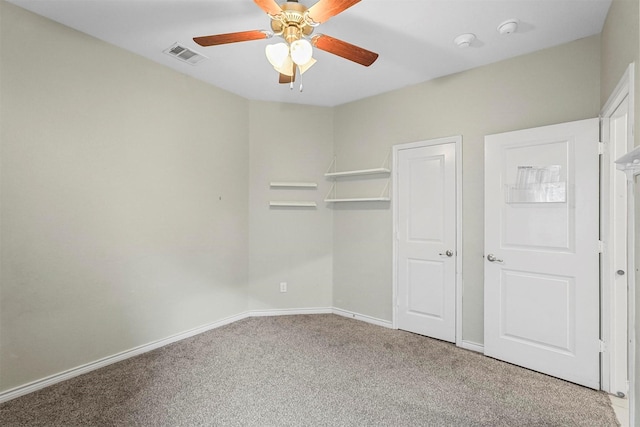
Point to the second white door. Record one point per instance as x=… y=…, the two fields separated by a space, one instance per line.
x=541 y=288
x=426 y=239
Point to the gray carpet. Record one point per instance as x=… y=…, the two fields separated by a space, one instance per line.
x=308 y=371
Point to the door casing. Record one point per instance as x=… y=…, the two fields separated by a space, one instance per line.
x=625 y=89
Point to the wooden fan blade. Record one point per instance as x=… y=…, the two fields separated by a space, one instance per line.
x=284 y=79
x=269 y=6
x=242 y=36
x=325 y=9
x=344 y=49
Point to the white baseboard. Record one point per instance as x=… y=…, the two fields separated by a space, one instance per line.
x=100 y=363
x=362 y=317
x=92 y=366
x=472 y=346
x=289 y=312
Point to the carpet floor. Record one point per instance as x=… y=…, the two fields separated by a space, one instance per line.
x=310 y=370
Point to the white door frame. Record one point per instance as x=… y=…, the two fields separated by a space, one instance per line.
x=457 y=140
x=624 y=89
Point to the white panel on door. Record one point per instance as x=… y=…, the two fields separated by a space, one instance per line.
x=426 y=185
x=525 y=298
x=548 y=224
x=426 y=297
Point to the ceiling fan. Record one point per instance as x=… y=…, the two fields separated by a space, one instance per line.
x=295 y=23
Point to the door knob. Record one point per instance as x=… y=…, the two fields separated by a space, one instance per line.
x=620 y=272
x=492 y=258
x=448 y=253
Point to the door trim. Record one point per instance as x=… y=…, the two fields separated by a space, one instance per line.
x=457 y=140
x=624 y=89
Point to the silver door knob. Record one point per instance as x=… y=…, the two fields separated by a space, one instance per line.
x=448 y=253
x=620 y=272
x=492 y=258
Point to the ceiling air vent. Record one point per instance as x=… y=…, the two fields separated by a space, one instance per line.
x=185 y=54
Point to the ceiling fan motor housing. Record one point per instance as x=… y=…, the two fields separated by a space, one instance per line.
x=292 y=24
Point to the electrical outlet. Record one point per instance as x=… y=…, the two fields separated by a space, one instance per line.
x=283 y=286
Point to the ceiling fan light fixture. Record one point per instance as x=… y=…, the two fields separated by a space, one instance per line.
x=301 y=51
x=287 y=68
x=305 y=67
x=277 y=54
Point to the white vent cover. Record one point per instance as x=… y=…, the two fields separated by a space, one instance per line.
x=185 y=54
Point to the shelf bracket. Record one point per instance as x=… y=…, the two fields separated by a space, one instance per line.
x=332 y=166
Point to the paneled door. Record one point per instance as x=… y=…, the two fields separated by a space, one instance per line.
x=541 y=281
x=425 y=210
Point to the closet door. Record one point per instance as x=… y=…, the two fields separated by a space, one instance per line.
x=426 y=245
x=541 y=276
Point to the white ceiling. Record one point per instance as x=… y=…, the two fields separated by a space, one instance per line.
x=413 y=37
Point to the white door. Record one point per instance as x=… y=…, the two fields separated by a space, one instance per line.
x=426 y=240
x=541 y=250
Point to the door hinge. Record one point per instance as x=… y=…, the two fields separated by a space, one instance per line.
x=602 y=346
x=601 y=147
x=600 y=246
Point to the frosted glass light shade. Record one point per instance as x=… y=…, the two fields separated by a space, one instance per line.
x=301 y=51
x=305 y=67
x=277 y=54
x=287 y=68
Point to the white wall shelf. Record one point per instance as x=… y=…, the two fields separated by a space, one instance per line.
x=333 y=173
x=332 y=196
x=630 y=162
x=292 y=204
x=359 y=199
x=291 y=184
x=358 y=172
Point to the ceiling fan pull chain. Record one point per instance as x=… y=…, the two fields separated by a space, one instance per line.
x=300 y=79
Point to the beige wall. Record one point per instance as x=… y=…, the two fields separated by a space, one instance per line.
x=620 y=47
x=292 y=245
x=551 y=86
x=123 y=200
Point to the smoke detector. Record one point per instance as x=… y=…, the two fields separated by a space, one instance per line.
x=508 y=27
x=464 y=40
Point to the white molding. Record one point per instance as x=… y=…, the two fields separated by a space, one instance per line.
x=468 y=345
x=362 y=317
x=105 y=361
x=290 y=311
x=624 y=89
